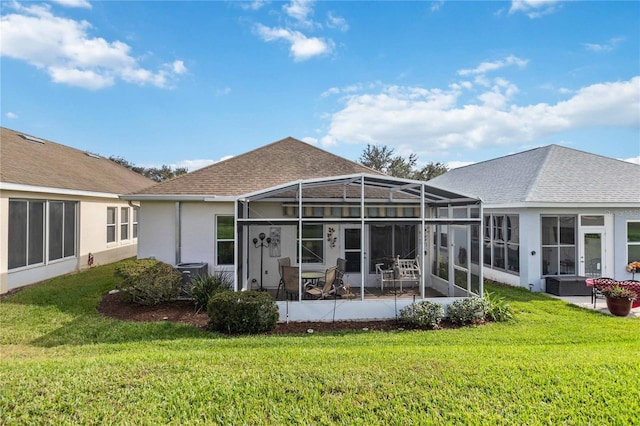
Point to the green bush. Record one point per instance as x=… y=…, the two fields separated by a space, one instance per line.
x=422 y=314
x=148 y=281
x=497 y=308
x=203 y=287
x=470 y=310
x=242 y=312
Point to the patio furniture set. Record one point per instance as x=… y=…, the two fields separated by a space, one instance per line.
x=316 y=284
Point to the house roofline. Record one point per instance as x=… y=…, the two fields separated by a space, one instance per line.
x=7 y=186
x=559 y=205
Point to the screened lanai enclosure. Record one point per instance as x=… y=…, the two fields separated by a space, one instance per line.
x=382 y=243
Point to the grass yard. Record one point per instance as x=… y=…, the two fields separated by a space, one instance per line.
x=62 y=363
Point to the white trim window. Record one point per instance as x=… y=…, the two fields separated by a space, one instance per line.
x=134 y=222
x=124 y=223
x=559 y=237
x=312 y=243
x=633 y=241
x=224 y=240
x=502 y=242
x=38 y=228
x=111 y=224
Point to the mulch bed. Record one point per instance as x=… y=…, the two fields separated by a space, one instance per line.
x=182 y=311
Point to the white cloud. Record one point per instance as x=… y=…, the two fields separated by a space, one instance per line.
x=223 y=92
x=457 y=164
x=436 y=5
x=192 y=165
x=74 y=3
x=337 y=22
x=300 y=10
x=310 y=140
x=302 y=47
x=534 y=8
x=634 y=160
x=486 y=67
x=11 y=115
x=429 y=120
x=63 y=48
x=606 y=47
x=254 y=5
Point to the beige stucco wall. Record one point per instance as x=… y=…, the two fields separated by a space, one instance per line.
x=91 y=238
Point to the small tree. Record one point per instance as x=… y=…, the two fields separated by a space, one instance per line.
x=382 y=159
x=158 y=174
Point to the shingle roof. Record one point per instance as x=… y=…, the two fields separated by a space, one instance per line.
x=275 y=164
x=550 y=174
x=25 y=161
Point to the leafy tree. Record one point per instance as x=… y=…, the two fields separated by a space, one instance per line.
x=382 y=159
x=156 y=173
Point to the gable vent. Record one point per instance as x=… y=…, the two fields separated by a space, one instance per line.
x=32 y=138
x=92 y=155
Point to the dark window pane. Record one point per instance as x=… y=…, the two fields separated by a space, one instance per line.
x=498 y=255
x=633 y=232
x=111 y=234
x=592 y=221
x=225 y=228
x=56 y=212
x=549 y=230
x=124 y=232
x=135 y=230
x=633 y=253
x=69 y=229
x=111 y=215
x=567 y=260
x=17 y=234
x=513 y=229
x=352 y=239
x=404 y=241
x=380 y=245
x=312 y=251
x=567 y=230
x=353 y=261
x=550 y=261
x=225 y=252
x=36 y=232
x=487 y=253
x=513 y=258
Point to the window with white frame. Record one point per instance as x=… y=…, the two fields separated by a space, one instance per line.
x=312 y=241
x=224 y=240
x=38 y=224
x=502 y=242
x=111 y=224
x=134 y=222
x=633 y=241
x=558 y=245
x=124 y=223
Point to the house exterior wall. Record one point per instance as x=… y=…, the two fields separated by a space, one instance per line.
x=530 y=276
x=157 y=231
x=91 y=238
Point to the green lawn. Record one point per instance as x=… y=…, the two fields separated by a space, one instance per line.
x=61 y=363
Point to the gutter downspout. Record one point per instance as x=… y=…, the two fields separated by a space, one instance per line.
x=178 y=228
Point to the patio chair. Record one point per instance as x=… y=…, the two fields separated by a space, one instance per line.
x=595 y=291
x=291 y=278
x=341 y=268
x=325 y=288
x=384 y=275
x=407 y=270
x=285 y=261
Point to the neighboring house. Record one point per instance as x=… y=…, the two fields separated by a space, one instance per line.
x=58 y=205
x=552 y=212
x=316 y=207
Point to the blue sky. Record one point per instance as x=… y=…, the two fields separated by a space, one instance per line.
x=191 y=83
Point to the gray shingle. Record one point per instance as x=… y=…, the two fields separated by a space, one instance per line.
x=550 y=174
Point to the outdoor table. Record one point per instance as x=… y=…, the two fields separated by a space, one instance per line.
x=312 y=276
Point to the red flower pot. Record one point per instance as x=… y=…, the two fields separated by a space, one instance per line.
x=619 y=307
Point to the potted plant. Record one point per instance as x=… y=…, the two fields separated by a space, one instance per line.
x=619 y=299
x=633 y=267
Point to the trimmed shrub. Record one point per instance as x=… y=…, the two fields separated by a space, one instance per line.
x=202 y=288
x=242 y=312
x=422 y=314
x=497 y=308
x=470 y=310
x=148 y=281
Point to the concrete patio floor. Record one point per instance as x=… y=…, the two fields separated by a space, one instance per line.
x=601 y=304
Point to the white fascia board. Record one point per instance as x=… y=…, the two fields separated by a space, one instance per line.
x=535 y=205
x=5 y=186
x=204 y=198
